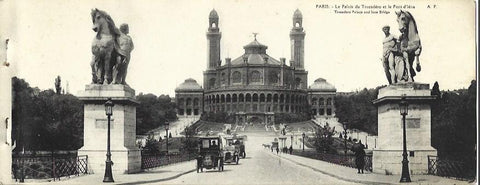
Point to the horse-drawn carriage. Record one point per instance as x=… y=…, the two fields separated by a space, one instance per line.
x=210 y=153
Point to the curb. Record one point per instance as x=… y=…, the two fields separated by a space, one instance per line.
x=331 y=174
x=160 y=180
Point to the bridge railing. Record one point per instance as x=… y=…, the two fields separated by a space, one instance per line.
x=343 y=160
x=450 y=168
x=157 y=160
x=45 y=167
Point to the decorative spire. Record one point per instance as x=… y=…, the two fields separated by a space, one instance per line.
x=255 y=35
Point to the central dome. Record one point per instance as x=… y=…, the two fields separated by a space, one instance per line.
x=255 y=53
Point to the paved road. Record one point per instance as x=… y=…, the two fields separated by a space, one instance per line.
x=260 y=167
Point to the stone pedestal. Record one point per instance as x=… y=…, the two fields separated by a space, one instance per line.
x=387 y=156
x=126 y=156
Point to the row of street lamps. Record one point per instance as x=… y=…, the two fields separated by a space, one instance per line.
x=405 y=177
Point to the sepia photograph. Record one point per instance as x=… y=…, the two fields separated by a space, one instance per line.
x=238 y=92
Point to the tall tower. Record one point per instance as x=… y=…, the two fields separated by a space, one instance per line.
x=213 y=36
x=297 y=36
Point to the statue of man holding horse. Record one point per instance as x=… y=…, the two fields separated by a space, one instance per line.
x=111 y=50
x=399 y=59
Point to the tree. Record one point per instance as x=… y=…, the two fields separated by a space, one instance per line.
x=152 y=146
x=45 y=120
x=153 y=111
x=190 y=143
x=324 y=139
x=436 y=90
x=358 y=110
x=58 y=85
x=454 y=125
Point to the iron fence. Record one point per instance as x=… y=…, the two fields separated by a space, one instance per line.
x=343 y=160
x=157 y=160
x=450 y=168
x=45 y=167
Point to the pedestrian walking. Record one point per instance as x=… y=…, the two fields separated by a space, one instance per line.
x=359 y=151
x=291 y=149
x=277 y=150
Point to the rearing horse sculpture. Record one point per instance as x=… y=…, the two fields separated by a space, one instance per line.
x=409 y=45
x=111 y=50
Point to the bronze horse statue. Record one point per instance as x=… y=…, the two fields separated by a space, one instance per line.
x=111 y=50
x=410 y=47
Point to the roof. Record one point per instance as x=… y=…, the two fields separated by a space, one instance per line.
x=213 y=14
x=189 y=85
x=321 y=84
x=255 y=53
x=297 y=14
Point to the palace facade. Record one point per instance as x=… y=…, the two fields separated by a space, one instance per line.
x=255 y=86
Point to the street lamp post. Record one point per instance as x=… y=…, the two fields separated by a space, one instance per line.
x=345 y=127
x=303 y=141
x=108 y=163
x=167 y=124
x=405 y=171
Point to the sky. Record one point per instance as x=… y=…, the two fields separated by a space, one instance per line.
x=50 y=38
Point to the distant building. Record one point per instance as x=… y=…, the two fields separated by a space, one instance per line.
x=255 y=86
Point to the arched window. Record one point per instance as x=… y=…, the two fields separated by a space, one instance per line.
x=234 y=98
x=181 y=102
x=217 y=99
x=248 y=98
x=195 y=102
x=236 y=77
x=240 y=98
x=222 y=99
x=262 y=97
x=275 y=98
x=298 y=83
x=321 y=101
x=255 y=77
x=287 y=99
x=211 y=83
x=314 y=101
x=269 y=98
x=229 y=98
x=297 y=24
x=255 y=97
x=282 y=99
x=214 y=25
x=329 y=101
x=189 y=101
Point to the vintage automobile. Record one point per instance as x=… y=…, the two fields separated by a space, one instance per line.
x=210 y=153
x=241 y=144
x=230 y=154
x=238 y=141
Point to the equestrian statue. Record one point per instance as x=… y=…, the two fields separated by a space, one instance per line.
x=400 y=53
x=111 y=49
